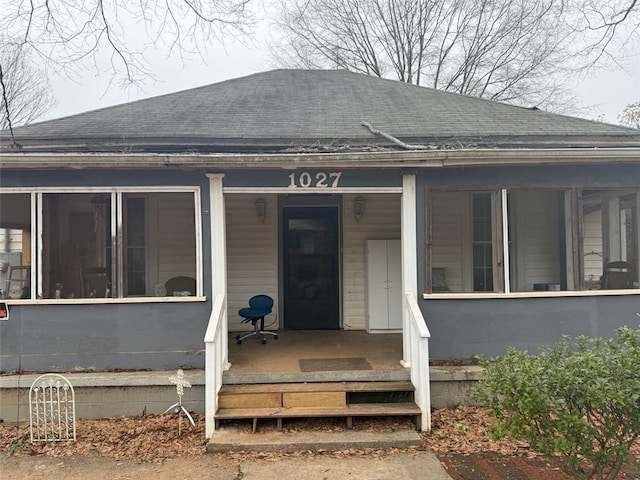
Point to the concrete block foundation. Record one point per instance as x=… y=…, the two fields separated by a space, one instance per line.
x=115 y=394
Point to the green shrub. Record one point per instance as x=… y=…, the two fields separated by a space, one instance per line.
x=578 y=401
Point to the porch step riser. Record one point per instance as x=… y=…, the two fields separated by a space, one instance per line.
x=334 y=394
x=286 y=400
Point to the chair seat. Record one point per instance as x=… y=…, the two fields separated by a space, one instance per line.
x=249 y=313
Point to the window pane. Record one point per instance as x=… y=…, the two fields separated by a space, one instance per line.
x=135 y=245
x=76 y=245
x=450 y=217
x=159 y=242
x=482 y=243
x=610 y=238
x=15 y=245
x=538 y=240
x=461 y=241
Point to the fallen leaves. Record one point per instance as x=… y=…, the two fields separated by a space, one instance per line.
x=153 y=438
x=465 y=430
x=143 y=438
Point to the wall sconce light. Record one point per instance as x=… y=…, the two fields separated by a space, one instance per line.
x=261 y=209
x=358 y=207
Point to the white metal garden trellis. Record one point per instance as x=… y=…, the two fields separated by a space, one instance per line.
x=52 y=409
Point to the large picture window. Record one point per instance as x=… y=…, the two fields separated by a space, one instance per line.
x=101 y=244
x=523 y=240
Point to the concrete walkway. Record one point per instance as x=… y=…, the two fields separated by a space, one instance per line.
x=400 y=466
x=230 y=440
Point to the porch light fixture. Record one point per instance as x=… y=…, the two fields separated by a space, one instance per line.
x=358 y=207
x=261 y=209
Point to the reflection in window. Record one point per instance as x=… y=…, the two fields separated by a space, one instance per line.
x=135 y=258
x=610 y=238
x=15 y=245
x=538 y=237
x=76 y=250
x=462 y=241
x=159 y=240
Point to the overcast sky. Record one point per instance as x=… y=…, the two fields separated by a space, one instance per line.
x=605 y=92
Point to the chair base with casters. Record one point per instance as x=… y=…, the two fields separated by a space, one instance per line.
x=259 y=307
x=258 y=331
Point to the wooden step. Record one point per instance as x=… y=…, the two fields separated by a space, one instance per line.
x=346 y=411
x=356 y=410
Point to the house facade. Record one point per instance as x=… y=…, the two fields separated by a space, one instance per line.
x=356 y=203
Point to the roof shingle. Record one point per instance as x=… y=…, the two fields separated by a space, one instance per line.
x=294 y=108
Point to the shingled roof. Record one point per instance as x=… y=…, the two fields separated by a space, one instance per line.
x=284 y=110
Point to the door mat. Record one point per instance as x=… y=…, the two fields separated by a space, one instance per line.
x=330 y=364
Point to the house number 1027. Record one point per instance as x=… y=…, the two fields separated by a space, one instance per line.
x=319 y=180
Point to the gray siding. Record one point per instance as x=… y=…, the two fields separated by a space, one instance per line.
x=463 y=328
x=159 y=336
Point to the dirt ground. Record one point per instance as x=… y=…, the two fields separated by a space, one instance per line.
x=146 y=444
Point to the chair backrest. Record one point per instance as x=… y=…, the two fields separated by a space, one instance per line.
x=261 y=302
x=617 y=275
x=179 y=285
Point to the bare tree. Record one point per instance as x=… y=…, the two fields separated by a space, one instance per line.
x=68 y=35
x=509 y=51
x=630 y=116
x=606 y=23
x=26 y=95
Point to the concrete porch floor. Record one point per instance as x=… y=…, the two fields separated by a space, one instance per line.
x=278 y=360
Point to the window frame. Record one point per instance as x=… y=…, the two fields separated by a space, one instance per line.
x=116 y=194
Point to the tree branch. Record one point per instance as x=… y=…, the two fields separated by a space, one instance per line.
x=397 y=141
x=5 y=104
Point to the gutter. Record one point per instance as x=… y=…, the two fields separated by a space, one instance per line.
x=388 y=159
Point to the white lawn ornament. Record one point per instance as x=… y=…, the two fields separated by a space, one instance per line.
x=180 y=382
x=52 y=409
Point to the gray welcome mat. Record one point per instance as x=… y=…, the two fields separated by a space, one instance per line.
x=330 y=364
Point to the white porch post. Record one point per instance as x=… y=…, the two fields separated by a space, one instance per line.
x=409 y=260
x=215 y=362
x=415 y=334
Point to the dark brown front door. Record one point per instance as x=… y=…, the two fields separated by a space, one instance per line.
x=311 y=267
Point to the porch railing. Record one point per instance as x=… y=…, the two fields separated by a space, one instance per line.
x=216 y=360
x=418 y=357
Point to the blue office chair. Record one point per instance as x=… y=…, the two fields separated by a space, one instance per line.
x=259 y=307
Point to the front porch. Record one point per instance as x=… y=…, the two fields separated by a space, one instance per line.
x=351 y=356
x=316 y=373
x=283 y=388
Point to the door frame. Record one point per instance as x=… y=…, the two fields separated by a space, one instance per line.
x=310 y=201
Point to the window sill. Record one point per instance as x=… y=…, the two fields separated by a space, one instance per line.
x=547 y=294
x=102 y=301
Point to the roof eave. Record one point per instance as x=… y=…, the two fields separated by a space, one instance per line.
x=233 y=145
x=375 y=159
